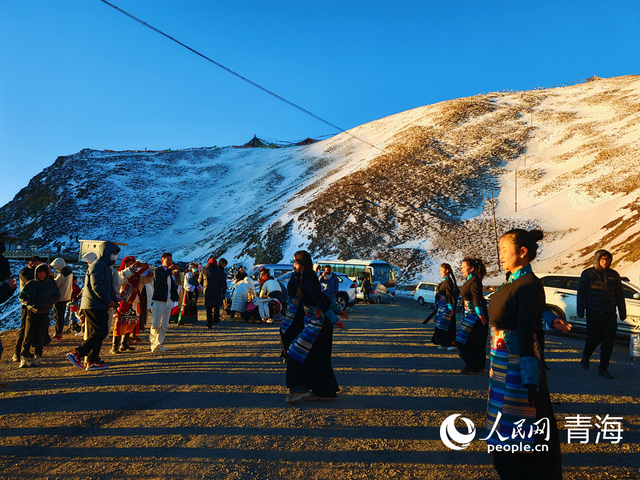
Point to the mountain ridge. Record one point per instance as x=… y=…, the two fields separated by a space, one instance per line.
x=421 y=198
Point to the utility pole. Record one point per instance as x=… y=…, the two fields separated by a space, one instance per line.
x=516 y=188
x=495 y=229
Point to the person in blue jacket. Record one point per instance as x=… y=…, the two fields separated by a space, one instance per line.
x=329 y=283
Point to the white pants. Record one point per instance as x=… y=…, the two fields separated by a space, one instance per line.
x=263 y=306
x=112 y=313
x=159 y=323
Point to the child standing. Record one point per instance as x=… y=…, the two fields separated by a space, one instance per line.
x=38 y=295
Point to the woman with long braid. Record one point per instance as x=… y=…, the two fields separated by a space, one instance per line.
x=444 y=332
x=472 y=333
x=309 y=370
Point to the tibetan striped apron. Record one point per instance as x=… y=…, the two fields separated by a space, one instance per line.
x=443 y=316
x=313 y=322
x=467 y=323
x=507 y=395
x=292 y=308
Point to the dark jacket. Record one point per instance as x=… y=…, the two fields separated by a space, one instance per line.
x=312 y=294
x=160 y=286
x=471 y=291
x=40 y=296
x=26 y=274
x=600 y=290
x=6 y=292
x=449 y=291
x=5 y=268
x=519 y=306
x=98 y=291
x=214 y=284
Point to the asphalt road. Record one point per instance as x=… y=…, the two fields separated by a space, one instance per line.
x=213 y=407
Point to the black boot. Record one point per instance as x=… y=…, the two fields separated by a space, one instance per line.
x=124 y=345
x=115 y=348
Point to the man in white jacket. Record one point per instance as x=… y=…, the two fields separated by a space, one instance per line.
x=64 y=281
x=270 y=290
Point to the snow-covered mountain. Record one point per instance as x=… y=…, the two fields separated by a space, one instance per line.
x=420 y=197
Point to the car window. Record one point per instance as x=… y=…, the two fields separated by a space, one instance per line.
x=572 y=284
x=278 y=271
x=422 y=286
x=551 y=281
x=285 y=278
x=628 y=291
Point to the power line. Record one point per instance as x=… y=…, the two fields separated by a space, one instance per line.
x=304 y=110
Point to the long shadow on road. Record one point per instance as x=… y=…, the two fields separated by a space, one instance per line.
x=213 y=407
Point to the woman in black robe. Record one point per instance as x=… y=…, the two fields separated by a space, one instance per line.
x=309 y=370
x=444 y=332
x=471 y=339
x=519 y=408
x=293 y=321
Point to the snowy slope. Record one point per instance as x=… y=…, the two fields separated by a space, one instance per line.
x=418 y=198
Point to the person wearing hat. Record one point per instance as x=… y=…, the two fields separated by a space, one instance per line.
x=98 y=296
x=26 y=274
x=600 y=293
x=132 y=278
x=64 y=281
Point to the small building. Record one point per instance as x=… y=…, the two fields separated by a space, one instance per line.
x=87 y=246
x=11 y=242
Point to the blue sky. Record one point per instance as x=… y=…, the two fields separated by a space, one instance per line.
x=77 y=74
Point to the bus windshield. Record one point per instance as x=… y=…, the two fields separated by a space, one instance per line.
x=383 y=274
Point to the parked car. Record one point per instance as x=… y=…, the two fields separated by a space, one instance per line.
x=561 y=292
x=346 y=296
x=382 y=295
x=425 y=293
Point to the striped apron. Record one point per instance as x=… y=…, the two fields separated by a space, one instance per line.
x=292 y=308
x=443 y=316
x=467 y=323
x=507 y=395
x=313 y=322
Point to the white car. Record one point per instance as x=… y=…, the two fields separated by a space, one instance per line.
x=561 y=291
x=425 y=293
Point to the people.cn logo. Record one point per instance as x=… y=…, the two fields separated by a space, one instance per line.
x=448 y=432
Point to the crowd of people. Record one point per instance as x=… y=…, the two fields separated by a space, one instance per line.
x=514 y=322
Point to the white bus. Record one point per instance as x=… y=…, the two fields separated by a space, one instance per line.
x=379 y=271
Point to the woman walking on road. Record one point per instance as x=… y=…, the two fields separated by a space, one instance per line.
x=309 y=370
x=472 y=333
x=518 y=390
x=444 y=332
